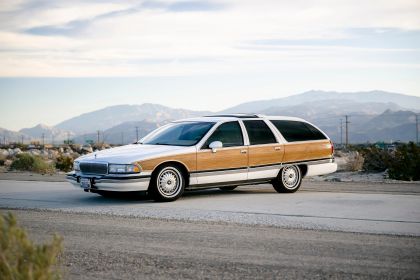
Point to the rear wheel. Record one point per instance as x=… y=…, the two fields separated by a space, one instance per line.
x=229 y=188
x=288 y=180
x=167 y=183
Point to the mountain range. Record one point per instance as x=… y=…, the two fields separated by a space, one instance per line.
x=373 y=116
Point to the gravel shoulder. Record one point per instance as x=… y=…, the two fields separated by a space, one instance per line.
x=113 y=247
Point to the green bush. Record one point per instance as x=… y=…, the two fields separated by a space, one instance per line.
x=64 y=163
x=20 y=258
x=28 y=162
x=376 y=159
x=406 y=163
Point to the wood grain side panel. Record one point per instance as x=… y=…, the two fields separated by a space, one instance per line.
x=303 y=151
x=189 y=160
x=265 y=154
x=321 y=149
x=222 y=159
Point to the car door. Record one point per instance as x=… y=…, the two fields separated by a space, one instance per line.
x=226 y=164
x=304 y=142
x=265 y=152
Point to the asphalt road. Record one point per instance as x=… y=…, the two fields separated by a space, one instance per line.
x=350 y=207
x=326 y=230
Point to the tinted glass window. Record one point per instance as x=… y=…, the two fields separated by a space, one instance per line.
x=230 y=134
x=294 y=131
x=180 y=134
x=259 y=133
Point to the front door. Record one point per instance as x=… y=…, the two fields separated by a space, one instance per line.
x=226 y=164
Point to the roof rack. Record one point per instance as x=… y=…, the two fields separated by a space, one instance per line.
x=241 y=116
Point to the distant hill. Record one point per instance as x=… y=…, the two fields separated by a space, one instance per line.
x=11 y=136
x=124 y=133
x=402 y=100
x=50 y=133
x=373 y=115
x=111 y=116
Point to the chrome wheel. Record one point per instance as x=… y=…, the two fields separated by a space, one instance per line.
x=169 y=182
x=290 y=177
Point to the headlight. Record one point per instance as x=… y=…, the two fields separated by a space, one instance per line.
x=123 y=168
x=76 y=166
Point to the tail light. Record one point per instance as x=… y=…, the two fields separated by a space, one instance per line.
x=332 y=147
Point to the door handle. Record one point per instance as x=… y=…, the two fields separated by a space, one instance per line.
x=277 y=148
x=243 y=151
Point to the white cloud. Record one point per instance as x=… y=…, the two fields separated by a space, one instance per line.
x=154 y=41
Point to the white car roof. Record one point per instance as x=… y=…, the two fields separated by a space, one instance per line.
x=232 y=117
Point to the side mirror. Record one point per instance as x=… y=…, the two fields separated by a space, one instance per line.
x=215 y=145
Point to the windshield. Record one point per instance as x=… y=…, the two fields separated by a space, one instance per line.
x=180 y=134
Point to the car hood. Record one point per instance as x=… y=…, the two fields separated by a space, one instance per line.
x=134 y=152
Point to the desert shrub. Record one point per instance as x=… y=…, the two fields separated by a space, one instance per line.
x=406 y=163
x=20 y=258
x=376 y=159
x=28 y=162
x=355 y=161
x=64 y=163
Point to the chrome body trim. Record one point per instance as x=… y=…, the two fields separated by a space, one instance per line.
x=120 y=183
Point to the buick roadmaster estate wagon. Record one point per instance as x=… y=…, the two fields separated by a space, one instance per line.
x=222 y=151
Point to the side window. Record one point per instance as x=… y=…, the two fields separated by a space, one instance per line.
x=259 y=133
x=294 y=131
x=230 y=134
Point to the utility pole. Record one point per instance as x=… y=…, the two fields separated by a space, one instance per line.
x=137 y=134
x=43 y=139
x=122 y=138
x=4 y=140
x=347 y=131
x=52 y=140
x=22 y=139
x=98 y=136
x=417 y=129
x=341 y=133
x=68 y=138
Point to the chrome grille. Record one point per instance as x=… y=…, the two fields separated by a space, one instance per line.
x=94 y=168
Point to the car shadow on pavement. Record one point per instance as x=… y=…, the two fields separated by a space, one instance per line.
x=190 y=194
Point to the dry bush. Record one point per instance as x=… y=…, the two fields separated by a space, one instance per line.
x=20 y=258
x=28 y=162
x=355 y=161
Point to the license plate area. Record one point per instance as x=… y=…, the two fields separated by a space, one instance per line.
x=85 y=183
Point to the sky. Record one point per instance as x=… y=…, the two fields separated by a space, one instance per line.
x=59 y=59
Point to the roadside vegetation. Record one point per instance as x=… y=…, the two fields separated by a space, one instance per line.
x=20 y=258
x=399 y=162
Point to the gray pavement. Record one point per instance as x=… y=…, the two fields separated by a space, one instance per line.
x=115 y=247
x=348 y=207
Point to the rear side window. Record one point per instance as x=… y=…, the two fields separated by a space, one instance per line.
x=230 y=134
x=259 y=133
x=294 y=131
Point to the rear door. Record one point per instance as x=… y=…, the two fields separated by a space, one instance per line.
x=226 y=164
x=265 y=151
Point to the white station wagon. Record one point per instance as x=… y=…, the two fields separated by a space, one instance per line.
x=221 y=151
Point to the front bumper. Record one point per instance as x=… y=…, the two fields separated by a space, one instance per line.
x=120 y=183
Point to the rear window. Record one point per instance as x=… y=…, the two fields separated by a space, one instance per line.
x=294 y=131
x=259 y=133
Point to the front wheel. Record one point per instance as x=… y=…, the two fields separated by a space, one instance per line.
x=288 y=180
x=167 y=183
